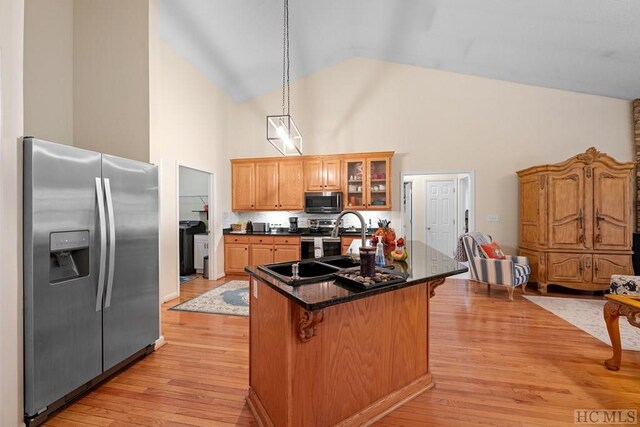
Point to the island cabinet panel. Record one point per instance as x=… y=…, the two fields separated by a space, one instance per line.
x=576 y=224
x=269 y=373
x=363 y=359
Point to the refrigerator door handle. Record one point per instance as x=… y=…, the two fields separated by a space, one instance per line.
x=112 y=241
x=103 y=244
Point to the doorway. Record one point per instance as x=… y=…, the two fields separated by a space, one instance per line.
x=437 y=207
x=195 y=239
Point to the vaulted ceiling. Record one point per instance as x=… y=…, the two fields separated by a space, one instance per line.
x=590 y=46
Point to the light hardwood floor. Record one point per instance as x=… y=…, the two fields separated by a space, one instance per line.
x=494 y=362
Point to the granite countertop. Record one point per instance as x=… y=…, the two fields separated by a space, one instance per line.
x=300 y=232
x=314 y=296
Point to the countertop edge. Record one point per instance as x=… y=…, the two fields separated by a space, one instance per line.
x=271 y=282
x=228 y=232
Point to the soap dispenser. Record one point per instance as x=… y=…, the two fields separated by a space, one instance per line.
x=380 y=254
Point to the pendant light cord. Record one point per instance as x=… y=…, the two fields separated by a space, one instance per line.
x=286 y=101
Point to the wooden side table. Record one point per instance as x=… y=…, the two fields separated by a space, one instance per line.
x=616 y=306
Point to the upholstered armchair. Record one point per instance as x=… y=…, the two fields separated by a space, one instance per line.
x=511 y=271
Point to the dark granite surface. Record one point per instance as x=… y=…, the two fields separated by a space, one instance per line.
x=314 y=296
x=300 y=232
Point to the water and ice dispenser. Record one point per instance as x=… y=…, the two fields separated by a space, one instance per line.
x=68 y=255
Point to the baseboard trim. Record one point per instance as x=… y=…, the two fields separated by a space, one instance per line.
x=172 y=295
x=159 y=342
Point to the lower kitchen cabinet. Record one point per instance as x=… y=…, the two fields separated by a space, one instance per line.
x=345 y=242
x=284 y=253
x=236 y=254
x=241 y=251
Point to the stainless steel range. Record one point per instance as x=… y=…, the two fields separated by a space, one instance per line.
x=317 y=241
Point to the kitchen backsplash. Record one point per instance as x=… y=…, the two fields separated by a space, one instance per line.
x=281 y=219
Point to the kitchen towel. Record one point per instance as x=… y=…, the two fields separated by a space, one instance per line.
x=317 y=247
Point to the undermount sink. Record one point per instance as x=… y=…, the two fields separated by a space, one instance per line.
x=308 y=271
x=341 y=261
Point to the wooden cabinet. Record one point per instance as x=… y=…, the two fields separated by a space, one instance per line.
x=322 y=174
x=236 y=254
x=290 y=191
x=243 y=188
x=258 y=250
x=345 y=242
x=267 y=185
x=368 y=182
x=273 y=184
x=576 y=221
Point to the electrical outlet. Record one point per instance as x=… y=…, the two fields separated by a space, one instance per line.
x=493 y=218
x=255 y=289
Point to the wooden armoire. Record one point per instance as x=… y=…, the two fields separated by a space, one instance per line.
x=576 y=221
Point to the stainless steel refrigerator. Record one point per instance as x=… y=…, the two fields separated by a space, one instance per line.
x=91 y=300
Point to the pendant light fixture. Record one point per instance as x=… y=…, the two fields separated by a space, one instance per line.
x=282 y=132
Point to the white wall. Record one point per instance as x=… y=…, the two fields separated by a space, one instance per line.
x=111 y=77
x=436 y=120
x=11 y=128
x=48 y=70
x=193 y=117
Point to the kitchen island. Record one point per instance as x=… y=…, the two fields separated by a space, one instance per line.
x=326 y=353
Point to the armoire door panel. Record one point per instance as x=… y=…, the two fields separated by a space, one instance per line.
x=612 y=209
x=569 y=268
x=607 y=265
x=567 y=216
x=530 y=212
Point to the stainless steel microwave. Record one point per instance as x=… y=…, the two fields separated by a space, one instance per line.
x=323 y=202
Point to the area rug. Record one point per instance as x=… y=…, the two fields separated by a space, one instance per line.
x=229 y=298
x=586 y=314
x=185 y=279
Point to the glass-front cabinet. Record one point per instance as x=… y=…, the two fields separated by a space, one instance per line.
x=367 y=183
x=356 y=181
x=378 y=191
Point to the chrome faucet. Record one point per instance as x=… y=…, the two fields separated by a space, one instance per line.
x=363 y=225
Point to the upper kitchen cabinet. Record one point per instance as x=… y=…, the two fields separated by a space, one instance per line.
x=267 y=185
x=277 y=183
x=368 y=181
x=290 y=192
x=243 y=178
x=322 y=174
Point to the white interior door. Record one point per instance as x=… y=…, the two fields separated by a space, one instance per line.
x=440 y=215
